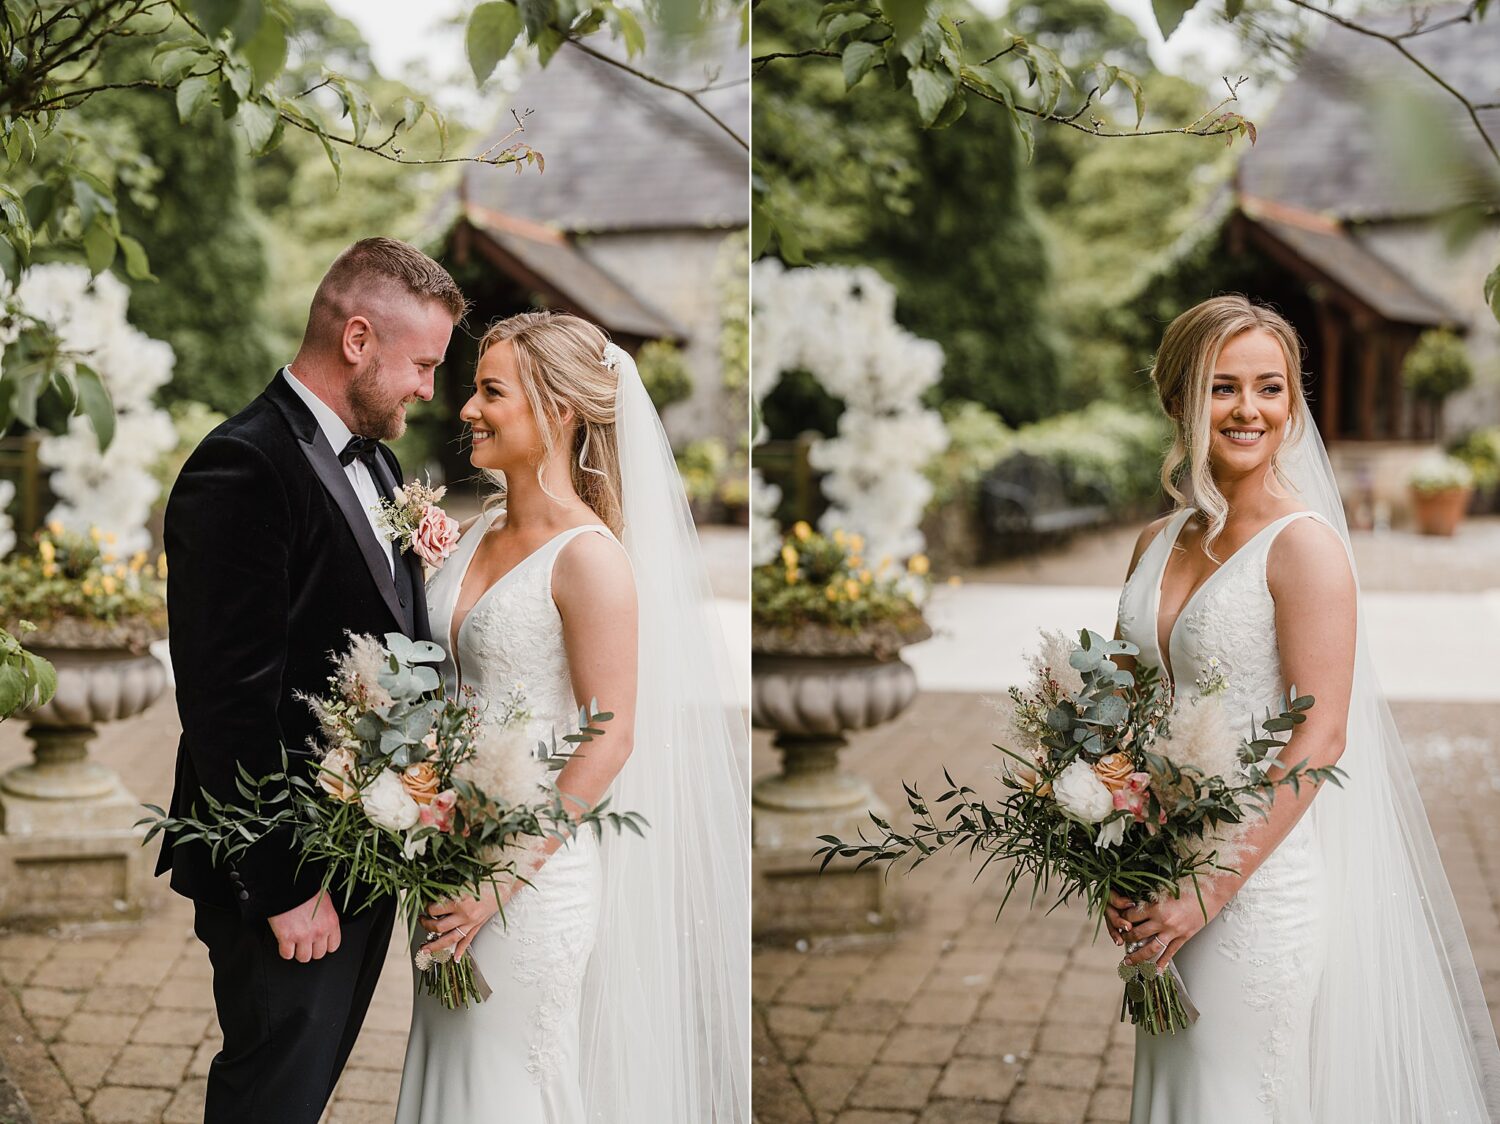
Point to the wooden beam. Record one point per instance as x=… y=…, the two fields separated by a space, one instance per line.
x=1331 y=377
x=1369 y=375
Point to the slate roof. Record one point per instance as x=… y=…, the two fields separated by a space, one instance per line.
x=1324 y=147
x=623 y=155
x=1329 y=249
x=550 y=262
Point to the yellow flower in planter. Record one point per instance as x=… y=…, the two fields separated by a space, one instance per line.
x=918 y=564
x=49 y=569
x=856 y=544
x=792 y=574
x=866 y=577
x=109 y=584
x=789 y=556
x=832 y=593
x=802 y=530
x=96 y=535
x=48 y=552
x=839 y=537
x=138 y=562
x=54 y=528
x=852 y=588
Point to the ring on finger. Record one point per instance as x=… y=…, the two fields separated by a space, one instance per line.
x=1161 y=942
x=460 y=930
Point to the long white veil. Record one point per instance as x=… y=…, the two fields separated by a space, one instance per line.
x=1401 y=1031
x=666 y=1004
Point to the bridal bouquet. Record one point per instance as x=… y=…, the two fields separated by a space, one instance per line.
x=415 y=794
x=1112 y=786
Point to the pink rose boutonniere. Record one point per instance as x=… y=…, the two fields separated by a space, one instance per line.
x=415 y=520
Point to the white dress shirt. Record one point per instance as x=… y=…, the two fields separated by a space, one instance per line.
x=338 y=435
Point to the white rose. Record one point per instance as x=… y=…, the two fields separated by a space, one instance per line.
x=1082 y=794
x=388 y=804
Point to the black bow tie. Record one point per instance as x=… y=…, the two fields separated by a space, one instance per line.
x=359 y=448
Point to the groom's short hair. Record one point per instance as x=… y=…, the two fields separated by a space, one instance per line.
x=375 y=269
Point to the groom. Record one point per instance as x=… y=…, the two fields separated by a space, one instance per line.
x=274 y=558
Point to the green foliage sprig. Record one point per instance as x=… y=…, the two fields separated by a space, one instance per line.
x=26 y=680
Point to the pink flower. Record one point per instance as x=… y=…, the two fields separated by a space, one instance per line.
x=436 y=536
x=439 y=813
x=1131 y=796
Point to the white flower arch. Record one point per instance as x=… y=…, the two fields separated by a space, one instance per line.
x=113 y=490
x=838 y=323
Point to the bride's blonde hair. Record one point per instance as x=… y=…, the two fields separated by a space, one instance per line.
x=561 y=363
x=1184 y=375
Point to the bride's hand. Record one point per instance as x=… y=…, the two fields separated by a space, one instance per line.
x=458 y=922
x=1165 y=926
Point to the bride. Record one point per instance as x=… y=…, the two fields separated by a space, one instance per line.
x=620 y=969
x=1332 y=971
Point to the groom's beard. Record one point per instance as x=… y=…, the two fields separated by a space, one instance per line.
x=375 y=412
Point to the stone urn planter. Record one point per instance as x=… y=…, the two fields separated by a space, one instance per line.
x=69 y=850
x=814 y=686
x=1440 y=512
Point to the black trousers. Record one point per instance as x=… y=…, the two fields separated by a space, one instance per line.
x=288 y=1027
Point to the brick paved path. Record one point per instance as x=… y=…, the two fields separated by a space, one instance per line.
x=959 y=1019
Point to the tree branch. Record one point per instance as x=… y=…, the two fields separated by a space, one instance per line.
x=652 y=80
x=1396 y=41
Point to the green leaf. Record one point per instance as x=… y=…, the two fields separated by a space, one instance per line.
x=547 y=44
x=12 y=689
x=1169 y=14
x=1133 y=84
x=629 y=29
x=491 y=33
x=760 y=230
x=1492 y=291
x=333 y=158
x=97 y=407
x=1233 y=8
x=537 y=14
x=215 y=15
x=845 y=23
x=858 y=58
x=137 y=266
x=258 y=120
x=266 y=50
x=906 y=18
x=99 y=245
x=173 y=61
x=932 y=88
x=40 y=201
x=192 y=96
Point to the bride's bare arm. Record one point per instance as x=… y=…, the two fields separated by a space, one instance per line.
x=1310 y=580
x=595 y=594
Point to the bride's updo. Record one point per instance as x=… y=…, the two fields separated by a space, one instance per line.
x=1184 y=375
x=561 y=363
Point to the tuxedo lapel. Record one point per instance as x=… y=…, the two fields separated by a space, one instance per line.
x=325 y=463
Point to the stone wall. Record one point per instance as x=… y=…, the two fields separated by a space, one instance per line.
x=674 y=272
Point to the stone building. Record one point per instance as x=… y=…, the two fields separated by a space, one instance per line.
x=638 y=219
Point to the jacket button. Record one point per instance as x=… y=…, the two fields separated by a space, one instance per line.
x=244 y=895
x=403 y=601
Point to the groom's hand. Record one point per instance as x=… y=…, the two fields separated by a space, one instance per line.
x=308 y=932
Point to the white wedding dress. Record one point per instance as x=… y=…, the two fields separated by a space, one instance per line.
x=1253 y=971
x=515 y=1057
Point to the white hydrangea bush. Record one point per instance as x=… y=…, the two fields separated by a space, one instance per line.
x=838 y=323
x=113 y=490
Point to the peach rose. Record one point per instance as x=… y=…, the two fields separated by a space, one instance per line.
x=336 y=774
x=435 y=537
x=421 y=782
x=1114 y=770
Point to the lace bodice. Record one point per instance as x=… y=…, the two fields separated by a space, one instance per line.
x=512 y=635
x=1230 y=618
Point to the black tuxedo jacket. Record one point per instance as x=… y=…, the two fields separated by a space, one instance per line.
x=271 y=562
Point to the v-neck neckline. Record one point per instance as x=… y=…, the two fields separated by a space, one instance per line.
x=457 y=624
x=1165 y=653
